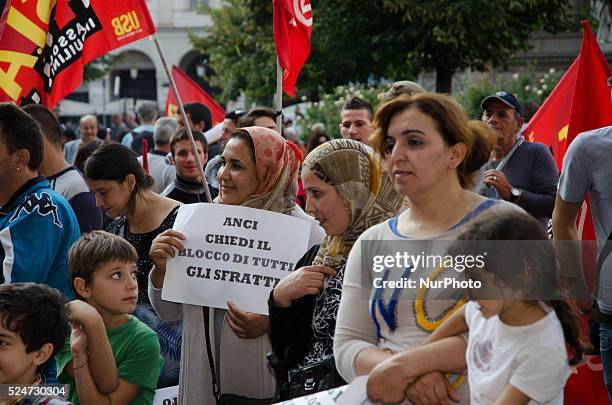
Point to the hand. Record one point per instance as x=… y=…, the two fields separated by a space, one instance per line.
x=163 y=247
x=497 y=179
x=307 y=280
x=246 y=325
x=78 y=343
x=81 y=313
x=432 y=388
x=388 y=381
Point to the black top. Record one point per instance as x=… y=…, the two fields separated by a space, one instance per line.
x=142 y=244
x=290 y=328
x=188 y=192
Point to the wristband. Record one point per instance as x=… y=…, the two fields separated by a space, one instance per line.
x=81 y=366
x=589 y=310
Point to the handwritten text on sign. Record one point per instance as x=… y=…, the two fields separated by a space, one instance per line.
x=233 y=254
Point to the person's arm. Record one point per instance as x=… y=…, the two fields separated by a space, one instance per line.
x=80 y=368
x=167 y=310
x=164 y=246
x=512 y=396
x=89 y=393
x=540 y=201
x=564 y=219
x=99 y=353
x=389 y=380
x=246 y=325
x=355 y=338
x=290 y=327
x=454 y=325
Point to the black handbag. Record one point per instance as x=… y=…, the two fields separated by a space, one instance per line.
x=320 y=376
x=231 y=399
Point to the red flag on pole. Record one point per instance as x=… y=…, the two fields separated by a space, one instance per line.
x=292 y=29
x=581 y=101
x=191 y=92
x=45 y=44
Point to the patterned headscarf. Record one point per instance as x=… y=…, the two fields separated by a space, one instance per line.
x=277 y=167
x=357 y=174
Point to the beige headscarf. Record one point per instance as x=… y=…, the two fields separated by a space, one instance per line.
x=358 y=176
x=277 y=164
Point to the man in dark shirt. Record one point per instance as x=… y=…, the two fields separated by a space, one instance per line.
x=521 y=172
x=64 y=178
x=187 y=185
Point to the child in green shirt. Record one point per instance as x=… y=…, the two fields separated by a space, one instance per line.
x=110 y=357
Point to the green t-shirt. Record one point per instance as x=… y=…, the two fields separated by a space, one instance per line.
x=136 y=350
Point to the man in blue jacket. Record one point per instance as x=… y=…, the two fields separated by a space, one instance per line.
x=37 y=225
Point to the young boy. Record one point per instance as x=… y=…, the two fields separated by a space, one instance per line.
x=111 y=357
x=33 y=327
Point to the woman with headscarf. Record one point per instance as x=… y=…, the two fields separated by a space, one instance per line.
x=348 y=192
x=259 y=171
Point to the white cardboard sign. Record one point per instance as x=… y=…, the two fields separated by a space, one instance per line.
x=233 y=253
x=166 y=396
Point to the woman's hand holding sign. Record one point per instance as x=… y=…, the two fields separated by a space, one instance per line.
x=307 y=280
x=165 y=245
x=246 y=325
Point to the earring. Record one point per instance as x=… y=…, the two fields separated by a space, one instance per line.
x=18 y=168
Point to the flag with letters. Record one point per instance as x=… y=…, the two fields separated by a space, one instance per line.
x=44 y=44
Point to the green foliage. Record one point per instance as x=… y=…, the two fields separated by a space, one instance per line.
x=241 y=50
x=369 y=40
x=529 y=87
x=449 y=35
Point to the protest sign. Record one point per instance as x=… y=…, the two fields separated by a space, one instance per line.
x=166 y=396
x=329 y=397
x=233 y=253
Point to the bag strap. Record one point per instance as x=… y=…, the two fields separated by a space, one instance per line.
x=211 y=361
x=505 y=160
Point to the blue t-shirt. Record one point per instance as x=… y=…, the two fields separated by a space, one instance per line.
x=37 y=228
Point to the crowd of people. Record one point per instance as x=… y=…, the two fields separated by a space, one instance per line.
x=87 y=229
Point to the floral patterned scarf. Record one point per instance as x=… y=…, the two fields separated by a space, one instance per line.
x=356 y=172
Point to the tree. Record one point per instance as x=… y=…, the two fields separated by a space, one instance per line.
x=366 y=40
x=450 y=35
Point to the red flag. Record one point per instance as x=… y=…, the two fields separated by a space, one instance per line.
x=191 y=92
x=580 y=102
x=292 y=29
x=44 y=47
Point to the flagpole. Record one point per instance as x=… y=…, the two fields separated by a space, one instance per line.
x=279 y=97
x=194 y=148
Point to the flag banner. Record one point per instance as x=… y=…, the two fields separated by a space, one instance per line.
x=45 y=44
x=580 y=102
x=191 y=92
x=292 y=29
